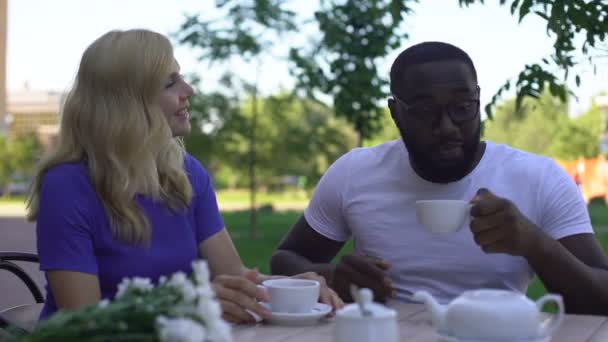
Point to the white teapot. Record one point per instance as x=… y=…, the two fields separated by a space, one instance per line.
x=493 y=314
x=366 y=321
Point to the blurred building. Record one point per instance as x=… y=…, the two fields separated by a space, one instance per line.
x=33 y=112
x=25 y=111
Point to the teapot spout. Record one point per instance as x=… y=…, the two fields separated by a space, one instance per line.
x=437 y=310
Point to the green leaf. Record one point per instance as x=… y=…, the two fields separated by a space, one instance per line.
x=514 y=6
x=542 y=15
x=524 y=9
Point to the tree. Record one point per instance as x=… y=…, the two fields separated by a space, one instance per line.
x=217 y=125
x=354 y=34
x=6 y=165
x=388 y=131
x=18 y=157
x=568 y=21
x=308 y=139
x=244 y=33
x=580 y=138
x=543 y=126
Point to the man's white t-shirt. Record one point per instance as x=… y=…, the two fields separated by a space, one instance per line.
x=369 y=194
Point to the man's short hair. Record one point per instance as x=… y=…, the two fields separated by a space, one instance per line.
x=426 y=52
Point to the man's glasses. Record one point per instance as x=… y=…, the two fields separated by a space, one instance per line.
x=460 y=111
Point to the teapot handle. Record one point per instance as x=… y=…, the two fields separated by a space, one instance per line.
x=549 y=326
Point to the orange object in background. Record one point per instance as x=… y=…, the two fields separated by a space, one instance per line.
x=591 y=175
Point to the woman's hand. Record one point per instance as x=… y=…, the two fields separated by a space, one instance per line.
x=236 y=294
x=326 y=295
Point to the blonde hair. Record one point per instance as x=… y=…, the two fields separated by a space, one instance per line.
x=112 y=122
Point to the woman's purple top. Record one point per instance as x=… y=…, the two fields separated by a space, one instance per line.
x=74 y=234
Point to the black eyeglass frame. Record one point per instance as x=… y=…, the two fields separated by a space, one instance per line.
x=408 y=108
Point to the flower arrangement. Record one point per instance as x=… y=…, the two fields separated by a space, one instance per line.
x=178 y=309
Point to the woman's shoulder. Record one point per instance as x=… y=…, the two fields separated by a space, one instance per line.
x=66 y=172
x=68 y=178
x=193 y=166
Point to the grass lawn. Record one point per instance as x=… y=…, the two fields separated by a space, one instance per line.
x=12 y=200
x=273 y=226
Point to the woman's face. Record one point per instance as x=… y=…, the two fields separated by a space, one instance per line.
x=174 y=102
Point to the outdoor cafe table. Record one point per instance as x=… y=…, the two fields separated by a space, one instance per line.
x=415 y=326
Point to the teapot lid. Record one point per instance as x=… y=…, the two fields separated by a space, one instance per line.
x=371 y=310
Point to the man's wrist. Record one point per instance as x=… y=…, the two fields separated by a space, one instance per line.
x=539 y=244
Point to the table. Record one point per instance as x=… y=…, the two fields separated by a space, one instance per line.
x=415 y=326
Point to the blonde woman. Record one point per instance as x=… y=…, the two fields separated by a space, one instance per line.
x=120 y=197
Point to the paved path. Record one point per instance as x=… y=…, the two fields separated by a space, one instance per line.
x=17 y=235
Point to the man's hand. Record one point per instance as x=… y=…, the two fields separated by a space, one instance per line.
x=364 y=272
x=239 y=293
x=326 y=295
x=499 y=227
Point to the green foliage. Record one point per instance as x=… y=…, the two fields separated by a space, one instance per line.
x=574 y=25
x=340 y=61
x=343 y=61
x=387 y=132
x=241 y=31
x=579 y=138
x=298 y=137
x=308 y=138
x=355 y=34
x=18 y=157
x=543 y=126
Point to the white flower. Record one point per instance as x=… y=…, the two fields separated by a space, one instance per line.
x=180 y=330
x=103 y=303
x=201 y=271
x=205 y=292
x=136 y=283
x=209 y=310
x=185 y=287
x=219 y=331
x=178 y=279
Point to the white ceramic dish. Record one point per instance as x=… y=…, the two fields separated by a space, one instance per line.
x=319 y=311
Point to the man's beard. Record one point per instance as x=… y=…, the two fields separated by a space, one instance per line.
x=429 y=170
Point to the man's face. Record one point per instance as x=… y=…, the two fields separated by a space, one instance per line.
x=437 y=113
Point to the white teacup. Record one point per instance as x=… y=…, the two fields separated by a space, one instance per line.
x=289 y=295
x=443 y=216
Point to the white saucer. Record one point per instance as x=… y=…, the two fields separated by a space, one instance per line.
x=444 y=337
x=319 y=311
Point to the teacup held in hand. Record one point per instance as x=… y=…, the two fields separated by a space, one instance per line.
x=443 y=216
x=289 y=295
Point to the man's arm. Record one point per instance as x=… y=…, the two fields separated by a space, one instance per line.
x=575 y=267
x=305 y=250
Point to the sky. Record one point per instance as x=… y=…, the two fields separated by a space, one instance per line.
x=47 y=38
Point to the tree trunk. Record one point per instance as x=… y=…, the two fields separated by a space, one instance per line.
x=359 y=139
x=253 y=233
